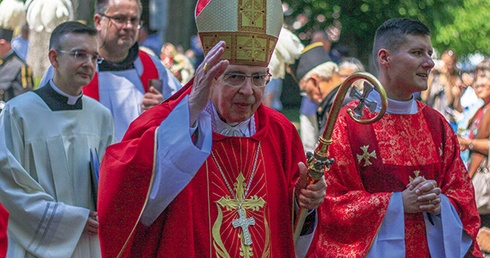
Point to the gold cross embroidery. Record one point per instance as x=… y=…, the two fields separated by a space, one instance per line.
x=253 y=204
x=416 y=173
x=252 y=13
x=366 y=156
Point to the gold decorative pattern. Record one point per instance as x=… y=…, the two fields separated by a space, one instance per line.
x=366 y=156
x=251 y=15
x=250 y=49
x=416 y=173
x=230 y=204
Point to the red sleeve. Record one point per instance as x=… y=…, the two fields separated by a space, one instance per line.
x=4 y=217
x=125 y=178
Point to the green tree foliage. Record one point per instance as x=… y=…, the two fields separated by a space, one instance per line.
x=458 y=24
x=470 y=30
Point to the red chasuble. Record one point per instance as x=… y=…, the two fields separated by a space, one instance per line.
x=4 y=219
x=372 y=161
x=203 y=220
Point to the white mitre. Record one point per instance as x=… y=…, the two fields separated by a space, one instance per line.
x=250 y=28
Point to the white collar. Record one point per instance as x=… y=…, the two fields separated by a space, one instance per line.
x=72 y=100
x=246 y=128
x=396 y=107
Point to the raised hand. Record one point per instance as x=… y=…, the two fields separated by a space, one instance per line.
x=210 y=69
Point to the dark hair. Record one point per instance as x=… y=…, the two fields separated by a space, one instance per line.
x=101 y=6
x=66 y=28
x=392 y=34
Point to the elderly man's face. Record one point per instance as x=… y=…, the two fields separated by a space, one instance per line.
x=236 y=103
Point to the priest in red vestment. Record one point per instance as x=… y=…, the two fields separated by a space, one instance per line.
x=211 y=172
x=398 y=187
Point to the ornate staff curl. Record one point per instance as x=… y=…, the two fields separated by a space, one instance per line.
x=318 y=162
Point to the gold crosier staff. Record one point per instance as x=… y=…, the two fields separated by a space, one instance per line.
x=318 y=162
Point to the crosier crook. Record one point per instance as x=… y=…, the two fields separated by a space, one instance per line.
x=318 y=162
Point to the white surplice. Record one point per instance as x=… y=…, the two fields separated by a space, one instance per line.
x=45 y=175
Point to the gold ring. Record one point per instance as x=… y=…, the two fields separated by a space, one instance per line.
x=205 y=67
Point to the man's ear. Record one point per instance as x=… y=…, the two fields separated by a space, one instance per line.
x=383 y=56
x=97 y=19
x=53 y=58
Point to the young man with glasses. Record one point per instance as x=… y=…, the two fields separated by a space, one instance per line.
x=128 y=81
x=50 y=138
x=212 y=172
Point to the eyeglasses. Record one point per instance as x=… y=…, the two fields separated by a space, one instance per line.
x=83 y=56
x=120 y=21
x=259 y=80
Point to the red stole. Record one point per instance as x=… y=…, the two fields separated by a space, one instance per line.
x=4 y=216
x=149 y=72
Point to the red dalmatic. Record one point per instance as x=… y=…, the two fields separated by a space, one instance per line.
x=372 y=162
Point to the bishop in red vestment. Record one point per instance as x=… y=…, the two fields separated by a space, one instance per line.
x=210 y=172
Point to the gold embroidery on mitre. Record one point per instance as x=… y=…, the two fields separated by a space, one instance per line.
x=251 y=15
x=366 y=155
x=251 y=48
x=241 y=48
x=416 y=173
x=250 y=29
x=254 y=203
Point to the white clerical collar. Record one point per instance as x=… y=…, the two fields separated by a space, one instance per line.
x=72 y=100
x=402 y=107
x=395 y=106
x=245 y=128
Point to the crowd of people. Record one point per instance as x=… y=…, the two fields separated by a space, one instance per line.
x=151 y=151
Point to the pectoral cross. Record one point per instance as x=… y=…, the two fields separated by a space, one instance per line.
x=244 y=222
x=363 y=101
x=253 y=203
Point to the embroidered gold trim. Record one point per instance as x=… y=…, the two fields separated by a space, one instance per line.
x=147 y=194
